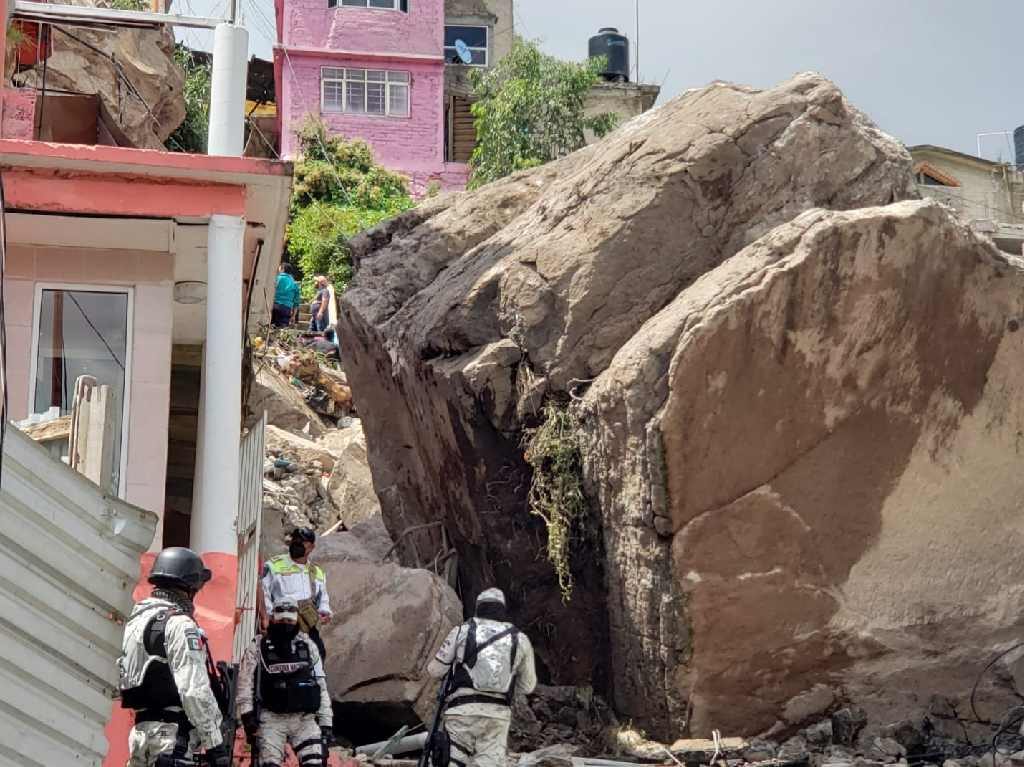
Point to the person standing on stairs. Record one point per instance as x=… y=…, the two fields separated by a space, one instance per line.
x=491 y=661
x=292 y=576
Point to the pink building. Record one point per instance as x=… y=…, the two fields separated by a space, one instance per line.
x=374 y=70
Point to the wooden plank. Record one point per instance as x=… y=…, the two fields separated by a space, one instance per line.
x=48 y=431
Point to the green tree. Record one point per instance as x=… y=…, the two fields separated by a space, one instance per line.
x=338 y=192
x=528 y=110
x=191 y=135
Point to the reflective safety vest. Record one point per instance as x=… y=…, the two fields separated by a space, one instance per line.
x=287 y=682
x=282 y=564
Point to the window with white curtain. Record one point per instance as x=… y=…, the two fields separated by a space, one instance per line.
x=390 y=5
x=364 y=91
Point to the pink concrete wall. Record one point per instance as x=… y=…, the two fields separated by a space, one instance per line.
x=311 y=24
x=19 y=113
x=151 y=275
x=409 y=144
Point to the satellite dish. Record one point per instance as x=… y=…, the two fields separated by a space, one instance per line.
x=464 y=52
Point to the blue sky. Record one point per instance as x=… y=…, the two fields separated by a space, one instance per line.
x=927 y=71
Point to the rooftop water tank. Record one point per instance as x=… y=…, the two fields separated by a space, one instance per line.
x=615 y=49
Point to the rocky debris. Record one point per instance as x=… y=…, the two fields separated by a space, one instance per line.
x=284 y=444
x=466 y=316
x=785 y=394
x=388 y=623
x=131 y=70
x=285 y=406
x=351 y=483
x=295 y=499
x=324 y=389
x=553 y=716
x=558 y=755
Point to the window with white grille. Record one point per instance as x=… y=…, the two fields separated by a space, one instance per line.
x=390 y=5
x=364 y=91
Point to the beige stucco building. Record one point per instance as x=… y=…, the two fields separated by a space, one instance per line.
x=989 y=195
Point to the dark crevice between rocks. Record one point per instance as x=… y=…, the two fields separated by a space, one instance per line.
x=362 y=723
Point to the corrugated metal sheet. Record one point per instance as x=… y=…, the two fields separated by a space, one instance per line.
x=250 y=515
x=69 y=560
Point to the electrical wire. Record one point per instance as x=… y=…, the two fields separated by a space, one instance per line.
x=991 y=663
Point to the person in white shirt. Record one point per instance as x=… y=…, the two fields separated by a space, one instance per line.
x=292 y=576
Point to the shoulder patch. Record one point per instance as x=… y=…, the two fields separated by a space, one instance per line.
x=193 y=639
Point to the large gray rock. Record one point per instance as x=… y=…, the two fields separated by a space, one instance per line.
x=388 y=623
x=272 y=392
x=131 y=70
x=468 y=313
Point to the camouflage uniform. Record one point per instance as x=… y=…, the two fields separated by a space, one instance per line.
x=186 y=659
x=478 y=728
x=302 y=730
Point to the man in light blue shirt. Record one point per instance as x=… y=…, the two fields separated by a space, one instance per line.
x=286 y=298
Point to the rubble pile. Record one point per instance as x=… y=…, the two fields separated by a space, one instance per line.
x=797 y=402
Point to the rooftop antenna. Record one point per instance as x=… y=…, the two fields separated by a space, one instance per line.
x=990 y=133
x=637 y=35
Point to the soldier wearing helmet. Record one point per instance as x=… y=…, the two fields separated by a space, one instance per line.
x=490 y=661
x=292 y=576
x=163 y=670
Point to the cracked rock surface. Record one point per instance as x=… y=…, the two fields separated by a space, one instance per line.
x=776 y=375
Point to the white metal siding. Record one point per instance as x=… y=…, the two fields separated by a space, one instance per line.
x=69 y=560
x=248 y=524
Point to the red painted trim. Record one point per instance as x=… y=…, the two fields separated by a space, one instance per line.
x=11 y=149
x=111 y=194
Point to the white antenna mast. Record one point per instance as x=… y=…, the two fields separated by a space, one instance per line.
x=637 y=35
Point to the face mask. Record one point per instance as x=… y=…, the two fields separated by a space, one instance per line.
x=297 y=550
x=283 y=632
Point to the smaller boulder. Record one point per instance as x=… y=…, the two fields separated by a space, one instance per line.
x=351 y=483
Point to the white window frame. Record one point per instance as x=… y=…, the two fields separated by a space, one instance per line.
x=396 y=5
x=343 y=80
x=37 y=304
x=486 y=49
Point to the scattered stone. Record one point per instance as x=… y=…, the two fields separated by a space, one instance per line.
x=847 y=723
x=285 y=444
x=818 y=736
x=760 y=750
x=273 y=392
x=809 y=704
x=559 y=755
x=886 y=750
x=794 y=748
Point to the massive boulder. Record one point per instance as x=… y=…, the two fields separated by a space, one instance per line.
x=132 y=71
x=807 y=466
x=781 y=407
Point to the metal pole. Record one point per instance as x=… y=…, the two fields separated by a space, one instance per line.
x=638 y=41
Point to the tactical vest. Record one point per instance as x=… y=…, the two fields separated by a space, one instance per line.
x=488 y=660
x=156 y=688
x=287 y=682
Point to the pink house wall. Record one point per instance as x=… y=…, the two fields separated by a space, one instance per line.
x=311 y=24
x=313 y=36
x=151 y=275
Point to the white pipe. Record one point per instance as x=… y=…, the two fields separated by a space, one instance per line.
x=403 y=746
x=214 y=520
x=227 y=91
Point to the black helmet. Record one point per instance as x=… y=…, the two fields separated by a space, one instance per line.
x=303 y=534
x=179 y=568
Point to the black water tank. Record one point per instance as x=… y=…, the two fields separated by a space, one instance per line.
x=615 y=48
x=1018 y=146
